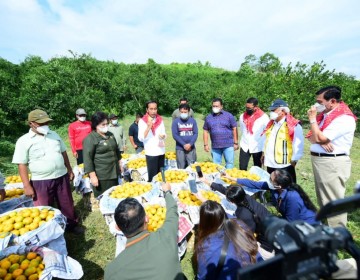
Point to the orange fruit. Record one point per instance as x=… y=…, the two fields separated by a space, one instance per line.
x=21 y=277
x=14 y=267
x=29 y=271
x=31 y=255
x=14 y=258
x=25 y=264
x=5 y=264
x=33 y=277
x=8 y=276
x=3 y=272
x=17 y=272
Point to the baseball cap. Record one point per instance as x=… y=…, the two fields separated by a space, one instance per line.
x=278 y=103
x=38 y=116
x=80 y=111
x=112 y=116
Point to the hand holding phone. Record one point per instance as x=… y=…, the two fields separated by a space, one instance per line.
x=162 y=174
x=221 y=170
x=193 y=187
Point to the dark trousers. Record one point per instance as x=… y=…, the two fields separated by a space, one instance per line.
x=79 y=159
x=104 y=185
x=48 y=191
x=290 y=169
x=154 y=163
x=244 y=158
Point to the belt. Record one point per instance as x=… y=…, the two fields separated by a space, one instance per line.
x=326 y=155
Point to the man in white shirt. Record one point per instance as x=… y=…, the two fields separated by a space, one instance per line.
x=252 y=123
x=284 y=144
x=331 y=137
x=152 y=134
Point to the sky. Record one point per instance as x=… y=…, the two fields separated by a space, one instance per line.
x=222 y=33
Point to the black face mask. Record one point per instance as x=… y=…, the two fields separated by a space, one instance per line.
x=249 y=111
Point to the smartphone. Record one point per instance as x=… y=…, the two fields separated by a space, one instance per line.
x=193 y=187
x=221 y=170
x=162 y=174
x=199 y=172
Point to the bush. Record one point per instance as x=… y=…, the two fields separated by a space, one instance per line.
x=6 y=148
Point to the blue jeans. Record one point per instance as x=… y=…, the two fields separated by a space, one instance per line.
x=228 y=155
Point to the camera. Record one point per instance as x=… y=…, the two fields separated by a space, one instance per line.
x=303 y=251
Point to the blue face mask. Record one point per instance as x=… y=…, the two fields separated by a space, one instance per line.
x=184 y=116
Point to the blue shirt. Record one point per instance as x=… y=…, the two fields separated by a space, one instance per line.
x=184 y=132
x=209 y=255
x=220 y=127
x=289 y=203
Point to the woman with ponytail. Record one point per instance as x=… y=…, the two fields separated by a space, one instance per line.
x=288 y=198
x=223 y=245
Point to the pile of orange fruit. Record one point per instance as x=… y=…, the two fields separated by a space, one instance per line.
x=125 y=156
x=188 y=198
x=23 y=221
x=206 y=167
x=236 y=173
x=173 y=176
x=170 y=155
x=22 y=267
x=137 y=163
x=14 y=179
x=130 y=189
x=13 y=193
x=157 y=215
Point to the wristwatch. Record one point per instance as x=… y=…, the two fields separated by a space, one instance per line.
x=168 y=191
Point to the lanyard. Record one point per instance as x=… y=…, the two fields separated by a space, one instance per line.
x=137 y=240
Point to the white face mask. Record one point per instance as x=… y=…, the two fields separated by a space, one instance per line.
x=103 y=129
x=43 y=129
x=272 y=187
x=273 y=116
x=319 y=107
x=82 y=119
x=216 y=110
x=184 y=116
x=114 y=122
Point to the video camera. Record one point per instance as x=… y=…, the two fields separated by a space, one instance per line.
x=303 y=251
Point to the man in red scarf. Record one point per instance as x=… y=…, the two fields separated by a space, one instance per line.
x=252 y=123
x=152 y=134
x=331 y=137
x=284 y=144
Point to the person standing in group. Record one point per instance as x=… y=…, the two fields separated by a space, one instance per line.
x=43 y=153
x=176 y=113
x=152 y=134
x=118 y=131
x=222 y=127
x=284 y=144
x=133 y=134
x=101 y=155
x=185 y=133
x=252 y=123
x=77 y=131
x=331 y=136
x=2 y=188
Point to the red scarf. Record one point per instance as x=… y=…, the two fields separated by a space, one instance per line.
x=341 y=109
x=291 y=122
x=156 y=124
x=250 y=119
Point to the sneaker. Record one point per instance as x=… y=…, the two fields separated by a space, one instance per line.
x=77 y=230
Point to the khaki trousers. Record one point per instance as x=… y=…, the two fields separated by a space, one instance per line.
x=330 y=175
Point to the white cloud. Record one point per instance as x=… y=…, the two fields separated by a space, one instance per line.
x=222 y=33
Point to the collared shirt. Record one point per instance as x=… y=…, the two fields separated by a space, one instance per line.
x=77 y=132
x=134 y=131
x=152 y=143
x=297 y=145
x=341 y=134
x=43 y=154
x=255 y=142
x=220 y=127
x=118 y=132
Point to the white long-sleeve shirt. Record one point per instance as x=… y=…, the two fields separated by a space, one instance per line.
x=151 y=141
x=255 y=142
x=297 y=145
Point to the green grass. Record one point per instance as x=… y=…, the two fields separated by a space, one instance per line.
x=96 y=248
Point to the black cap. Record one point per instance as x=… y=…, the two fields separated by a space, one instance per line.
x=278 y=103
x=112 y=116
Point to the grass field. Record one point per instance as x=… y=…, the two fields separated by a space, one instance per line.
x=96 y=248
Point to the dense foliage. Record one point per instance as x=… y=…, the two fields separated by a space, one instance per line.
x=63 y=84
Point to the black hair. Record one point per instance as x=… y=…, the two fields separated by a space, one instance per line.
x=130 y=217
x=184 y=106
x=150 y=102
x=139 y=115
x=183 y=99
x=284 y=179
x=330 y=92
x=237 y=195
x=253 y=100
x=217 y=99
x=98 y=118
